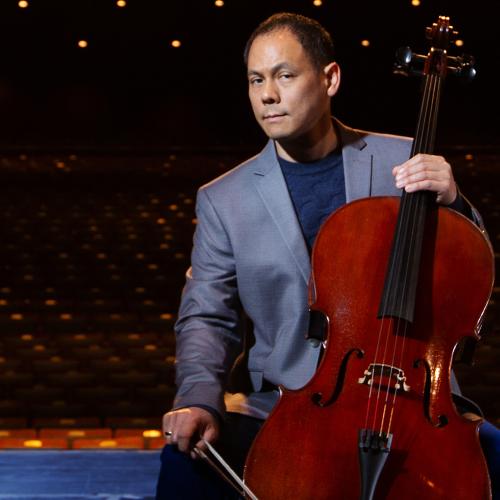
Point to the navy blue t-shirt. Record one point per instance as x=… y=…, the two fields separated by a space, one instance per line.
x=317 y=189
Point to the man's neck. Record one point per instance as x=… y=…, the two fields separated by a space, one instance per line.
x=307 y=149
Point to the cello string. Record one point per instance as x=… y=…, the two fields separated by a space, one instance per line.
x=427 y=123
x=411 y=202
x=405 y=202
x=368 y=406
x=410 y=209
x=431 y=118
x=393 y=276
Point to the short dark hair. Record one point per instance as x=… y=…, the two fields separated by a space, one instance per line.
x=315 y=40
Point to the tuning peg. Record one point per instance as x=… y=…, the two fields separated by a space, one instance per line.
x=467 y=70
x=404 y=55
x=406 y=60
x=463 y=67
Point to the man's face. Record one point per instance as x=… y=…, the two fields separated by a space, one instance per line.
x=289 y=95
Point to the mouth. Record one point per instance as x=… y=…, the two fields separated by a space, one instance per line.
x=272 y=117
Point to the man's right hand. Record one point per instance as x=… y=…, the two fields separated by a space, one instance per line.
x=188 y=427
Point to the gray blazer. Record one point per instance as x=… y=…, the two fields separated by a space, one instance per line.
x=249 y=254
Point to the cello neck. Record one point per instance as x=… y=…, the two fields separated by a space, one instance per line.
x=398 y=297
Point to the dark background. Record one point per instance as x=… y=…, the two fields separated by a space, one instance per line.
x=130 y=89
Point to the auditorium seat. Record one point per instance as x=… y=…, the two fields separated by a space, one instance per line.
x=59 y=408
x=161 y=395
x=114 y=322
x=18 y=433
x=112 y=364
x=93 y=351
x=153 y=438
x=64 y=322
x=122 y=443
x=132 y=378
x=138 y=432
x=13 y=422
x=22 y=340
x=13 y=379
x=128 y=340
x=72 y=340
x=33 y=444
x=39 y=394
x=149 y=352
x=64 y=423
x=133 y=422
x=124 y=408
x=99 y=394
x=55 y=364
x=37 y=351
x=75 y=433
x=8 y=363
x=71 y=379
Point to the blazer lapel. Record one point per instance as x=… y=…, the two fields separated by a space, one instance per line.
x=357 y=163
x=272 y=188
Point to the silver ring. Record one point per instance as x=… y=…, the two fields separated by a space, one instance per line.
x=168 y=433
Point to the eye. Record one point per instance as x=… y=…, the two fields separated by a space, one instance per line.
x=286 y=76
x=255 y=80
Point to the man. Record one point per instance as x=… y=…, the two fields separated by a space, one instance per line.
x=251 y=254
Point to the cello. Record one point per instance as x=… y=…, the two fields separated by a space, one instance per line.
x=400 y=283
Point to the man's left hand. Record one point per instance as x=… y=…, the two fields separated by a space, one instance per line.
x=427 y=172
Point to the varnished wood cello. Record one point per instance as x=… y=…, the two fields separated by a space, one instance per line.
x=400 y=282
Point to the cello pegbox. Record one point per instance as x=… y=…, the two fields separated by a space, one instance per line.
x=441 y=33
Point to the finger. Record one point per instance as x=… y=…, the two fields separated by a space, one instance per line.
x=168 y=436
x=184 y=442
x=423 y=158
x=426 y=185
x=211 y=434
x=441 y=177
x=168 y=426
x=429 y=168
x=201 y=446
x=402 y=182
x=184 y=433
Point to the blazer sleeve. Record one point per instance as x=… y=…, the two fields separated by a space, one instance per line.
x=207 y=329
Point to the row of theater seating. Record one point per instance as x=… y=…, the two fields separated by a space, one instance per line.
x=81 y=438
x=92 y=263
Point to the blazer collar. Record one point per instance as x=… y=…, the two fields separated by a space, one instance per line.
x=357 y=162
x=273 y=191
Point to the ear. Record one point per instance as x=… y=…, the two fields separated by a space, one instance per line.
x=332 y=74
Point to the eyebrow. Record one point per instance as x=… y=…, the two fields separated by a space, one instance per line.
x=274 y=69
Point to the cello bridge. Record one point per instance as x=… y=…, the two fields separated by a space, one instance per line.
x=379 y=371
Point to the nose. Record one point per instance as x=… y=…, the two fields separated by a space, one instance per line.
x=270 y=94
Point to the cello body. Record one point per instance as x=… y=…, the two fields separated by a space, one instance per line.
x=382 y=372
